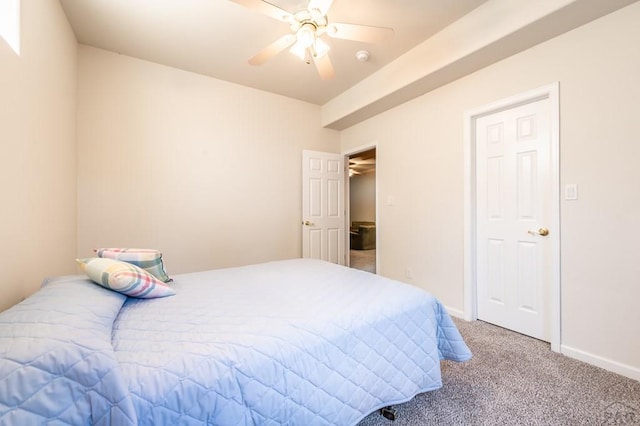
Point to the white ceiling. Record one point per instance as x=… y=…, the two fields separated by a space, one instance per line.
x=217 y=37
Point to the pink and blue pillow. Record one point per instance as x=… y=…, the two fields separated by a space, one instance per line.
x=124 y=278
x=147 y=259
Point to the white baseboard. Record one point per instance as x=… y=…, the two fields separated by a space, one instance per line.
x=609 y=365
x=598 y=361
x=455 y=312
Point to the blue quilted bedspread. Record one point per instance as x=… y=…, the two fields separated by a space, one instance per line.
x=297 y=342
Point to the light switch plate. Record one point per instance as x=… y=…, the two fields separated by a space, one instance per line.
x=571 y=191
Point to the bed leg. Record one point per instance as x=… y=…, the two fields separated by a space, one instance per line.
x=389 y=413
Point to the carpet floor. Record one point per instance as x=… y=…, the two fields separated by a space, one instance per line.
x=516 y=380
x=364 y=260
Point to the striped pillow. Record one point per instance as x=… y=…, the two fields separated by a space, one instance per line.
x=149 y=260
x=124 y=278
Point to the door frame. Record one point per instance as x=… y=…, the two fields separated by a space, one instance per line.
x=347 y=201
x=551 y=92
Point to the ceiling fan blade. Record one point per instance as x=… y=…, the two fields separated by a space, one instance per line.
x=360 y=162
x=273 y=49
x=364 y=33
x=322 y=5
x=266 y=9
x=324 y=67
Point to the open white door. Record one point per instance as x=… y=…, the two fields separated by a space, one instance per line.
x=323 y=206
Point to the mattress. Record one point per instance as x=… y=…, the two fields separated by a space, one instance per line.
x=297 y=342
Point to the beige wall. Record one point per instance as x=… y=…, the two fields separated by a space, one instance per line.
x=362 y=194
x=206 y=171
x=37 y=152
x=420 y=164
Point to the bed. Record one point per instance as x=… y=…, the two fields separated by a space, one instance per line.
x=295 y=342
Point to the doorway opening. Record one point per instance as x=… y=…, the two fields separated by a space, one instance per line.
x=362 y=210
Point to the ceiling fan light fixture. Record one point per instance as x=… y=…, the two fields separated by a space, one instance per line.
x=320 y=48
x=306 y=35
x=299 y=50
x=307 y=26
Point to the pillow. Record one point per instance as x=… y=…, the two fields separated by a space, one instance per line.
x=124 y=278
x=149 y=260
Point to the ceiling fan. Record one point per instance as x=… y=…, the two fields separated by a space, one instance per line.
x=363 y=163
x=308 y=26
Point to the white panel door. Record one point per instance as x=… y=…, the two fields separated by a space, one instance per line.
x=323 y=206
x=513 y=211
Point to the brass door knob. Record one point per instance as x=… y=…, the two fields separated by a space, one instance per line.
x=542 y=232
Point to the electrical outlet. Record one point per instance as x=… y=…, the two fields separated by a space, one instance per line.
x=408 y=273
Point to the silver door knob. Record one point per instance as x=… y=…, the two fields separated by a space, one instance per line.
x=307 y=223
x=542 y=232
